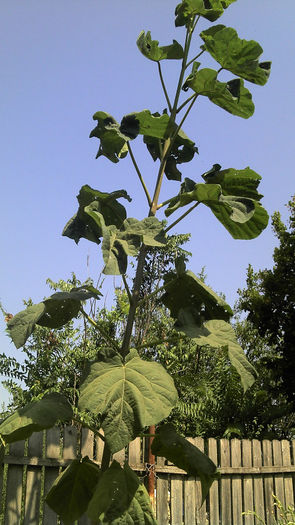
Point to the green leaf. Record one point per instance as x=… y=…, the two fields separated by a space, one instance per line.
x=71 y=492
x=130 y=395
x=243 y=217
x=186 y=292
x=113 y=143
x=183 y=150
x=145 y=123
x=209 y=9
x=218 y=333
x=36 y=416
x=238 y=56
x=81 y=225
x=53 y=312
x=186 y=456
x=113 y=494
x=150 y=48
x=139 y=512
x=231 y=96
x=118 y=244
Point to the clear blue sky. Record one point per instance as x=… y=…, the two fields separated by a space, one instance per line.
x=61 y=61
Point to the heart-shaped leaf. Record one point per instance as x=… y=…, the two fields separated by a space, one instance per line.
x=130 y=394
x=231 y=96
x=238 y=56
x=151 y=49
x=186 y=456
x=113 y=494
x=53 y=312
x=36 y=416
x=113 y=143
x=209 y=9
x=72 y=491
x=113 y=212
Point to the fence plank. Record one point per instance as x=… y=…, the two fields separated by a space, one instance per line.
x=236 y=461
x=33 y=485
x=226 y=511
x=189 y=501
x=214 y=490
x=14 y=486
x=162 y=509
x=134 y=453
x=52 y=450
x=288 y=482
x=248 y=481
x=278 y=479
x=258 y=481
x=201 y=511
x=99 y=444
x=87 y=443
x=176 y=498
x=268 y=481
x=70 y=443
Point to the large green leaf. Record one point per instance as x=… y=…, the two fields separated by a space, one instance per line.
x=36 y=416
x=231 y=96
x=139 y=512
x=217 y=333
x=243 y=217
x=209 y=9
x=119 y=243
x=186 y=292
x=145 y=123
x=238 y=56
x=53 y=312
x=235 y=182
x=186 y=456
x=183 y=150
x=81 y=225
x=71 y=492
x=130 y=394
x=113 y=143
x=151 y=49
x=113 y=494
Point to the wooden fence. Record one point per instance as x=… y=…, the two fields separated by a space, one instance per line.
x=251 y=471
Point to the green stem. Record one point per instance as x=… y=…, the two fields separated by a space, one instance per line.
x=186 y=102
x=164 y=203
x=194 y=98
x=195 y=58
x=164 y=87
x=181 y=217
x=139 y=174
x=100 y=330
x=127 y=288
x=166 y=148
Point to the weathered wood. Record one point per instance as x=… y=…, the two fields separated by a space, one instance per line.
x=162 y=504
x=258 y=481
x=248 y=482
x=87 y=443
x=236 y=461
x=278 y=478
x=288 y=481
x=268 y=481
x=52 y=450
x=14 y=486
x=70 y=443
x=189 y=501
x=226 y=507
x=134 y=452
x=176 y=499
x=214 y=491
x=201 y=510
x=99 y=444
x=33 y=483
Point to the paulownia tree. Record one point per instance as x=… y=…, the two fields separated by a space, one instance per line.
x=124 y=393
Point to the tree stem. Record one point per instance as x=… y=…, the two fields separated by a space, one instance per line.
x=139 y=174
x=164 y=87
x=181 y=217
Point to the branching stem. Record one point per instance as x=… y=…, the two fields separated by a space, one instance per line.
x=100 y=330
x=127 y=288
x=181 y=217
x=139 y=174
x=195 y=58
x=164 y=87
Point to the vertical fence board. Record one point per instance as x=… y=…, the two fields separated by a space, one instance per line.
x=99 y=444
x=268 y=481
x=33 y=485
x=70 y=443
x=189 y=501
x=134 y=453
x=14 y=486
x=278 y=478
x=236 y=461
x=258 y=480
x=226 y=511
x=288 y=482
x=214 y=490
x=248 y=481
x=176 y=498
x=52 y=451
x=87 y=443
x=162 y=508
x=201 y=511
